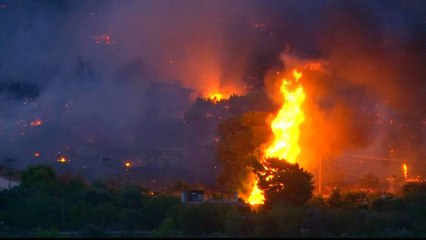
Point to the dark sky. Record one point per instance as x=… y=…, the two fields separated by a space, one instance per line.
x=97 y=72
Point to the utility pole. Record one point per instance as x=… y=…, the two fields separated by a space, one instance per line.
x=10 y=162
x=320 y=176
x=62 y=160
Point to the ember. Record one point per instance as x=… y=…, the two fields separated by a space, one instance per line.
x=36 y=123
x=102 y=39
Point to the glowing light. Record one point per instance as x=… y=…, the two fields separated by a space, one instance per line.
x=37 y=154
x=127 y=164
x=62 y=159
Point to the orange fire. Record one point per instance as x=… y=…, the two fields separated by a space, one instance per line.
x=285 y=128
x=62 y=159
x=410 y=178
x=128 y=164
x=36 y=123
x=215 y=97
x=256 y=195
x=405 y=169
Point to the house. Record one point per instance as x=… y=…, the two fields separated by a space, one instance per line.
x=210 y=196
x=7 y=183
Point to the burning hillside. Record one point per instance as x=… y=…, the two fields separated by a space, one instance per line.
x=206 y=91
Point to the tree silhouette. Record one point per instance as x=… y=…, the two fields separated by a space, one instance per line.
x=284 y=183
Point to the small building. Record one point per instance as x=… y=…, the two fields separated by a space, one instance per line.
x=193 y=196
x=7 y=183
x=210 y=196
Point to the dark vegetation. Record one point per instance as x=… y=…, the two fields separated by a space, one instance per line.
x=47 y=204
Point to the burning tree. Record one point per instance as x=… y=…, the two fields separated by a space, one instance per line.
x=284 y=183
x=239 y=149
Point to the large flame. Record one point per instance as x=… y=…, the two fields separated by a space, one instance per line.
x=216 y=97
x=256 y=195
x=405 y=169
x=285 y=128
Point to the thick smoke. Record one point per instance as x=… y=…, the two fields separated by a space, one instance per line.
x=112 y=80
x=365 y=109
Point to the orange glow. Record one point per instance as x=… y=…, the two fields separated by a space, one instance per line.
x=36 y=123
x=256 y=196
x=215 y=97
x=62 y=159
x=285 y=128
x=405 y=169
x=128 y=164
x=408 y=178
x=37 y=154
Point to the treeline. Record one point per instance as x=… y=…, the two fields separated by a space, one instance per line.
x=46 y=204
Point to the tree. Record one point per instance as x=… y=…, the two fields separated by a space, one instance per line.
x=41 y=177
x=166 y=229
x=289 y=183
x=237 y=150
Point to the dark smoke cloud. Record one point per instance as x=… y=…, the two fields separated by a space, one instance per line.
x=374 y=58
x=19 y=90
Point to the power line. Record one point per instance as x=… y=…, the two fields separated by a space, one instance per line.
x=381 y=159
x=354 y=175
x=347 y=173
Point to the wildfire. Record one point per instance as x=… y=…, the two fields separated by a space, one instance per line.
x=215 y=97
x=36 y=123
x=102 y=39
x=285 y=128
x=410 y=178
x=256 y=196
x=405 y=169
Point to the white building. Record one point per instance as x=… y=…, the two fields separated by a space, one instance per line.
x=6 y=183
